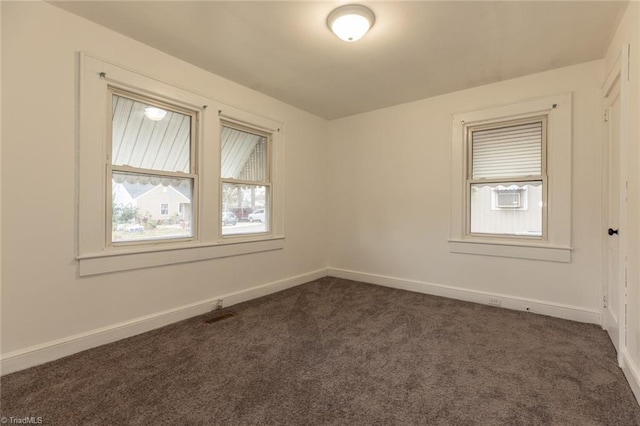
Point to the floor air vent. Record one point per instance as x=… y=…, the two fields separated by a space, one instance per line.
x=220 y=317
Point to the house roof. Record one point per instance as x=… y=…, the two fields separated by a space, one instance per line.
x=137 y=189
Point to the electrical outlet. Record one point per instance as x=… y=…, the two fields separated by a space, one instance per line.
x=217 y=304
x=495 y=302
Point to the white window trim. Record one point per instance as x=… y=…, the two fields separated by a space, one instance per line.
x=557 y=244
x=94 y=253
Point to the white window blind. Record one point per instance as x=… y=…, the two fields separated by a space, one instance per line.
x=511 y=151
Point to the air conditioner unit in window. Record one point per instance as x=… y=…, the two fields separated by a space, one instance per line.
x=509 y=199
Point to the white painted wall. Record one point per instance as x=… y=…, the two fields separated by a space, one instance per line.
x=43 y=300
x=389 y=180
x=629 y=33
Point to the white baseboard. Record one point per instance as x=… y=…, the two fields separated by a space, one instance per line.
x=269 y=288
x=632 y=373
x=509 y=302
x=49 y=351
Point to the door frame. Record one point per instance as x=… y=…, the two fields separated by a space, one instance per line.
x=620 y=70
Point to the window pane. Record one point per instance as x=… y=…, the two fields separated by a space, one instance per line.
x=507 y=209
x=247 y=206
x=244 y=155
x=511 y=151
x=146 y=207
x=148 y=137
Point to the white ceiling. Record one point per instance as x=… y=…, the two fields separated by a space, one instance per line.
x=415 y=49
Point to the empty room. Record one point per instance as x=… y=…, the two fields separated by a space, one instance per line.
x=300 y=213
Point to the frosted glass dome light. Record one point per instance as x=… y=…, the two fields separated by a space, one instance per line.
x=351 y=22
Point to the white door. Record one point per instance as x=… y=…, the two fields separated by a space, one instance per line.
x=614 y=279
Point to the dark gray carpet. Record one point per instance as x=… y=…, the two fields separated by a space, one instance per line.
x=337 y=352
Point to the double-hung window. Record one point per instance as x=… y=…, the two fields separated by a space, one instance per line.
x=245 y=177
x=167 y=175
x=511 y=180
x=506 y=178
x=152 y=169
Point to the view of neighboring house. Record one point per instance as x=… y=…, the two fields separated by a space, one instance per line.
x=512 y=209
x=154 y=202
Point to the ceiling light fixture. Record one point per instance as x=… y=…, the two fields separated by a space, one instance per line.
x=155 y=114
x=350 y=22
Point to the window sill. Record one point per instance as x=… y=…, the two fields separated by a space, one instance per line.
x=145 y=257
x=515 y=250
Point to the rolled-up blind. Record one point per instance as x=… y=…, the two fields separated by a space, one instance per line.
x=511 y=151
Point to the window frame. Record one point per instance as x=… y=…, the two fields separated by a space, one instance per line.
x=542 y=177
x=248 y=128
x=194 y=142
x=556 y=242
x=93 y=252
